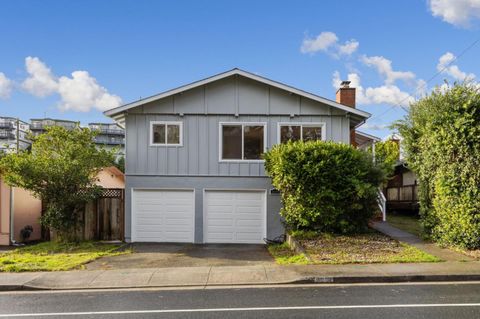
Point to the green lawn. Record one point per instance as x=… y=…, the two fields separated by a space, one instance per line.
x=366 y=248
x=410 y=224
x=53 y=256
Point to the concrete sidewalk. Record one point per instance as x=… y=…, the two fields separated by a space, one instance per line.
x=241 y=275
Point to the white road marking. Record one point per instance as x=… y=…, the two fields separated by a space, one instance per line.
x=159 y=311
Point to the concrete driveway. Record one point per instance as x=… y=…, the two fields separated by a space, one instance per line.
x=156 y=255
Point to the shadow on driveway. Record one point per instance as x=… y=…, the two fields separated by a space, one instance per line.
x=156 y=255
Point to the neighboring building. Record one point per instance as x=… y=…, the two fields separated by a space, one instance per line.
x=38 y=126
x=363 y=140
x=26 y=210
x=111 y=177
x=402 y=189
x=194 y=168
x=13 y=132
x=110 y=135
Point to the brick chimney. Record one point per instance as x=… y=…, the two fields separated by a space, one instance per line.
x=346 y=94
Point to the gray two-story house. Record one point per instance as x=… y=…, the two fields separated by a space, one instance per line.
x=194 y=168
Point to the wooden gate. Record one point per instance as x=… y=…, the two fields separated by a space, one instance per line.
x=104 y=218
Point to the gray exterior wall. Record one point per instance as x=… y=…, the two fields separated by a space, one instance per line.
x=195 y=164
x=199 y=184
x=199 y=155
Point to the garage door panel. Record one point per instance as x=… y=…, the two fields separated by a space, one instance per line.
x=163 y=216
x=234 y=216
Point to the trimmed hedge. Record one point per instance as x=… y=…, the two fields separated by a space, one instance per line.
x=442 y=145
x=325 y=186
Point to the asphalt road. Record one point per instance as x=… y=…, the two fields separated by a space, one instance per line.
x=442 y=300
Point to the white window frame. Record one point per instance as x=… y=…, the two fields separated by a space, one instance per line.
x=302 y=124
x=243 y=124
x=166 y=123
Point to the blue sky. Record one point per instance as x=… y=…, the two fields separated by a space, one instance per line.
x=72 y=59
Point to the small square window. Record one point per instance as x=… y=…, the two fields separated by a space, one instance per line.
x=166 y=133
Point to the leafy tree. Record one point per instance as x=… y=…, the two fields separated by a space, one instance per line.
x=387 y=154
x=120 y=163
x=325 y=186
x=61 y=170
x=442 y=145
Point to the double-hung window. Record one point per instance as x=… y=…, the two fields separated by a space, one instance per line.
x=166 y=133
x=301 y=132
x=242 y=141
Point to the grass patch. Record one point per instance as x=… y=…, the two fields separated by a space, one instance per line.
x=283 y=255
x=365 y=248
x=53 y=256
x=410 y=224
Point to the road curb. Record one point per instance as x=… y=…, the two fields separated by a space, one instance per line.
x=304 y=280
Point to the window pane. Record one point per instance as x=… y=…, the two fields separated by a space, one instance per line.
x=311 y=133
x=289 y=133
x=158 y=133
x=173 y=134
x=253 y=142
x=232 y=142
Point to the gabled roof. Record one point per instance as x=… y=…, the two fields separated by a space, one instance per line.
x=121 y=109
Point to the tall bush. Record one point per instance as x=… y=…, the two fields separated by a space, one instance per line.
x=325 y=186
x=61 y=170
x=442 y=145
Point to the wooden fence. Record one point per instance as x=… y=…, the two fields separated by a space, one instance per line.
x=103 y=218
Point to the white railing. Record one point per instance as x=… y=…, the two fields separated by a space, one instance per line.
x=382 y=204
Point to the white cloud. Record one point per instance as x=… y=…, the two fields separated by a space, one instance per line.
x=80 y=92
x=328 y=42
x=384 y=94
x=40 y=82
x=445 y=65
x=456 y=12
x=384 y=67
x=388 y=94
x=321 y=43
x=5 y=86
x=349 y=47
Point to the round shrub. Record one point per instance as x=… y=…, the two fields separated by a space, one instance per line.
x=325 y=186
x=442 y=145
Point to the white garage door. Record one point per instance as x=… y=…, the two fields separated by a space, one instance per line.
x=163 y=216
x=234 y=217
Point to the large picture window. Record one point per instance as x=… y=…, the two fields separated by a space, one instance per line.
x=242 y=141
x=165 y=133
x=301 y=132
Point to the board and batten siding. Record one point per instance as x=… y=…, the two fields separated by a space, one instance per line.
x=202 y=109
x=199 y=155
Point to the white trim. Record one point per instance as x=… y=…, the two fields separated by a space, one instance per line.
x=242 y=124
x=323 y=125
x=249 y=75
x=204 y=212
x=132 y=206
x=166 y=123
